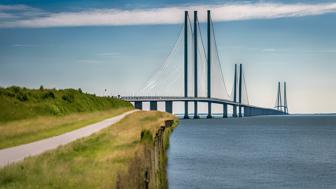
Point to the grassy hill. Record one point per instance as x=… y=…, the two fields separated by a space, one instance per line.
x=28 y=115
x=115 y=157
x=17 y=103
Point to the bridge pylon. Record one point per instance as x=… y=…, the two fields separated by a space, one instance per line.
x=234 y=110
x=282 y=105
x=209 y=62
x=195 y=66
x=186 y=17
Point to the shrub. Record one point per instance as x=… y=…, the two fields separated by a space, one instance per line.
x=22 y=96
x=15 y=89
x=54 y=110
x=68 y=97
x=49 y=94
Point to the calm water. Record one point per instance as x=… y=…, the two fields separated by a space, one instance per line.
x=265 y=152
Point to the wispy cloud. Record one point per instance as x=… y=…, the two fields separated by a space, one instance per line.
x=109 y=54
x=24 y=45
x=168 y=15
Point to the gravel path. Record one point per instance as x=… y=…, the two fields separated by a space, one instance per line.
x=18 y=153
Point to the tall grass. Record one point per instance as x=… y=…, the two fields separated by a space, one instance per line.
x=93 y=162
x=18 y=103
x=27 y=115
x=14 y=133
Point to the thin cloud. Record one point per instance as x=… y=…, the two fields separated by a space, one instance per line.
x=24 y=45
x=168 y=15
x=14 y=7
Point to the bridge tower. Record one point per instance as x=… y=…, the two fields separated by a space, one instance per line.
x=234 y=113
x=279 y=100
x=186 y=16
x=209 y=62
x=240 y=89
x=195 y=66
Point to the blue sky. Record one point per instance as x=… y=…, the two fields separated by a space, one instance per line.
x=71 y=44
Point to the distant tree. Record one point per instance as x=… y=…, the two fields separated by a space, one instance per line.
x=41 y=88
x=80 y=90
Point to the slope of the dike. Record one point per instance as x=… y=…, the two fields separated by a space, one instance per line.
x=29 y=115
x=128 y=154
x=148 y=168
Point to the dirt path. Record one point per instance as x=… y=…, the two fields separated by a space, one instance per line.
x=18 y=153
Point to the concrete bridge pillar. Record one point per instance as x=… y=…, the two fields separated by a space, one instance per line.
x=225 y=110
x=196 y=116
x=186 y=113
x=246 y=111
x=234 y=113
x=138 y=105
x=240 y=111
x=153 y=105
x=209 y=116
x=169 y=106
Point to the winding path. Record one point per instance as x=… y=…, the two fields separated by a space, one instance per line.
x=18 y=153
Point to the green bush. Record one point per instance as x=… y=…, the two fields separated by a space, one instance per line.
x=54 y=110
x=22 y=96
x=49 y=94
x=68 y=97
x=20 y=103
x=15 y=89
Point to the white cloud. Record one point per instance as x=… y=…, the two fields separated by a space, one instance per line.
x=14 y=7
x=169 y=15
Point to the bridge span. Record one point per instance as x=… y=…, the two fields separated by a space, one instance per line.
x=239 y=110
x=208 y=60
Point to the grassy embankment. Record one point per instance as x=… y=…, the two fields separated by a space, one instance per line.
x=28 y=115
x=119 y=156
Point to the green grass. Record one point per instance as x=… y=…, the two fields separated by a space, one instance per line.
x=25 y=131
x=18 y=103
x=29 y=115
x=92 y=162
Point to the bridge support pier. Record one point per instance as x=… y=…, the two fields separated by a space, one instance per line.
x=234 y=110
x=209 y=116
x=153 y=105
x=138 y=105
x=169 y=106
x=196 y=116
x=186 y=113
x=246 y=111
x=240 y=111
x=225 y=110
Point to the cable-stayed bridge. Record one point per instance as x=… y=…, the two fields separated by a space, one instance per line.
x=192 y=73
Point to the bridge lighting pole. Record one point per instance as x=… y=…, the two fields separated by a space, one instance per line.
x=240 y=89
x=195 y=66
x=186 y=64
x=209 y=63
x=234 y=113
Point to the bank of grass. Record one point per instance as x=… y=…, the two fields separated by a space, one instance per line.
x=17 y=103
x=97 y=161
x=14 y=133
x=28 y=115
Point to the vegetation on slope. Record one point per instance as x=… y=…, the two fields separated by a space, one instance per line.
x=29 y=115
x=18 y=103
x=112 y=158
x=14 y=133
